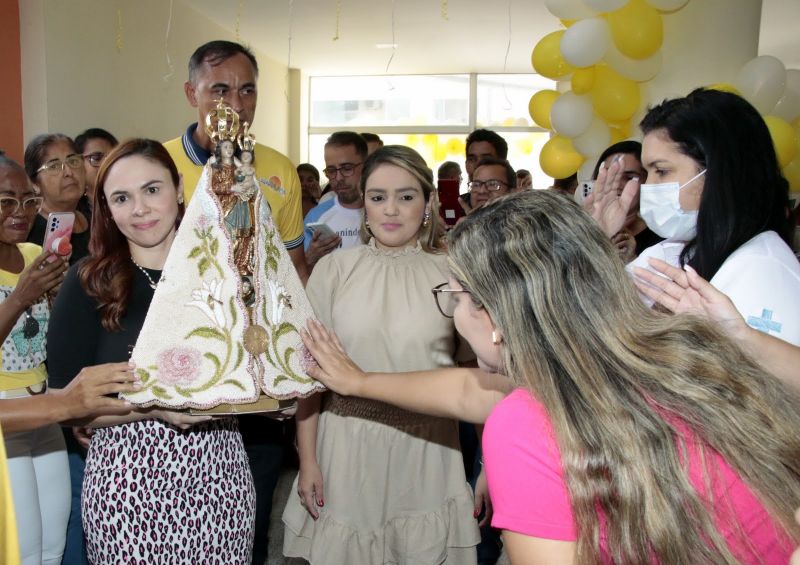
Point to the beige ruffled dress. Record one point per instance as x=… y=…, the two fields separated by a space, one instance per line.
x=394 y=484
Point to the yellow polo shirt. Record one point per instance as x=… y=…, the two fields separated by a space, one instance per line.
x=277 y=178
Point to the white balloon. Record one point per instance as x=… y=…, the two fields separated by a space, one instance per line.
x=761 y=81
x=667 y=5
x=585 y=42
x=788 y=106
x=571 y=114
x=586 y=170
x=640 y=70
x=569 y=9
x=594 y=140
x=605 y=6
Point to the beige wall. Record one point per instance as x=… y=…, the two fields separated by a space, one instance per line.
x=74 y=76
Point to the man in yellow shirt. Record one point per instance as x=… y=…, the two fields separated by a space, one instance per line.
x=227 y=70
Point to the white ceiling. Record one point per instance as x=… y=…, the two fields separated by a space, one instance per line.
x=473 y=37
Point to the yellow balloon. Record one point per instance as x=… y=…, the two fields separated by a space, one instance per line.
x=567 y=23
x=615 y=98
x=783 y=138
x=547 y=59
x=540 y=105
x=558 y=158
x=582 y=80
x=617 y=135
x=791 y=173
x=637 y=29
x=724 y=87
x=796 y=124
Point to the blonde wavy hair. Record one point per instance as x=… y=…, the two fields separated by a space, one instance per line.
x=612 y=375
x=431 y=237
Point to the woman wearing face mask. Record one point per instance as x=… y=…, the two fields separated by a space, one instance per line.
x=55 y=166
x=633 y=436
x=378 y=484
x=715 y=191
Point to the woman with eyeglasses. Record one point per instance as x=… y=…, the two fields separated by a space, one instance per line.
x=37 y=460
x=55 y=166
x=632 y=436
x=378 y=484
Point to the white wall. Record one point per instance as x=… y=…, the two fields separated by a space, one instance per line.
x=75 y=77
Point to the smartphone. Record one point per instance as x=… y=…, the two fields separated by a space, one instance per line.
x=324 y=230
x=58 y=233
x=449 y=208
x=583 y=191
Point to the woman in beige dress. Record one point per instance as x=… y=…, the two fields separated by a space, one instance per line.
x=378 y=484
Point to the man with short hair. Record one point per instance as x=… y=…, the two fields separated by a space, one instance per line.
x=491 y=178
x=228 y=71
x=374 y=142
x=345 y=153
x=481 y=143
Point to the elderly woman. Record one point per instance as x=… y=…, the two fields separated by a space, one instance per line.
x=56 y=168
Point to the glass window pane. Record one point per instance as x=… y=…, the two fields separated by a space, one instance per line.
x=503 y=99
x=389 y=101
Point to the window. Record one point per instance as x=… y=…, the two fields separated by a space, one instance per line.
x=431 y=113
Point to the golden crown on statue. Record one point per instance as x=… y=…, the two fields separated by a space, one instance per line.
x=247 y=142
x=222 y=123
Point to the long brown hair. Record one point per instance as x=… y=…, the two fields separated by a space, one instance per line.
x=106 y=275
x=620 y=383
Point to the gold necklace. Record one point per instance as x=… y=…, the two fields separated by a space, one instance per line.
x=153 y=284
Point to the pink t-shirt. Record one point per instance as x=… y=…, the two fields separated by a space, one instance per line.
x=530 y=496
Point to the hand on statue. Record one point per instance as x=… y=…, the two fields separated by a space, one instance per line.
x=309 y=487
x=88 y=393
x=608 y=207
x=336 y=370
x=321 y=246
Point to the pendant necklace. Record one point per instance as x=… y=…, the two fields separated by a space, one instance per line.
x=153 y=284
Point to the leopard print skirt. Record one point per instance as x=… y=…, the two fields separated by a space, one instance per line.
x=155 y=494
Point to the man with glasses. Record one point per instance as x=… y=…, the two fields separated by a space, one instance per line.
x=481 y=144
x=229 y=71
x=345 y=153
x=93 y=144
x=491 y=178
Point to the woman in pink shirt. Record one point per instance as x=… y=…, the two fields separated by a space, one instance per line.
x=634 y=436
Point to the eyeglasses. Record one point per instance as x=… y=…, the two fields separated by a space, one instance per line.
x=73 y=161
x=445 y=300
x=493 y=185
x=347 y=170
x=9 y=205
x=94 y=158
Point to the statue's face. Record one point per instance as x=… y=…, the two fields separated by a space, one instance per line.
x=247 y=157
x=226 y=149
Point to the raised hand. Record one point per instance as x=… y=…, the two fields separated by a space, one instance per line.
x=608 y=207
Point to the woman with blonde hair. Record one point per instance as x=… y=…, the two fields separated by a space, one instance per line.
x=634 y=436
x=378 y=484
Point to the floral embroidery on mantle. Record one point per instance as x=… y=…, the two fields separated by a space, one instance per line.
x=191 y=352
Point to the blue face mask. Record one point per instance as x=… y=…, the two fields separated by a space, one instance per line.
x=660 y=208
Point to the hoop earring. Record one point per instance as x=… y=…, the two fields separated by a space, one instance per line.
x=426 y=219
x=180 y=198
x=496 y=339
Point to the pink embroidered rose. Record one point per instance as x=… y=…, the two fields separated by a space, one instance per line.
x=179 y=366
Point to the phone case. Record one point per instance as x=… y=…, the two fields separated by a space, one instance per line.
x=58 y=233
x=449 y=208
